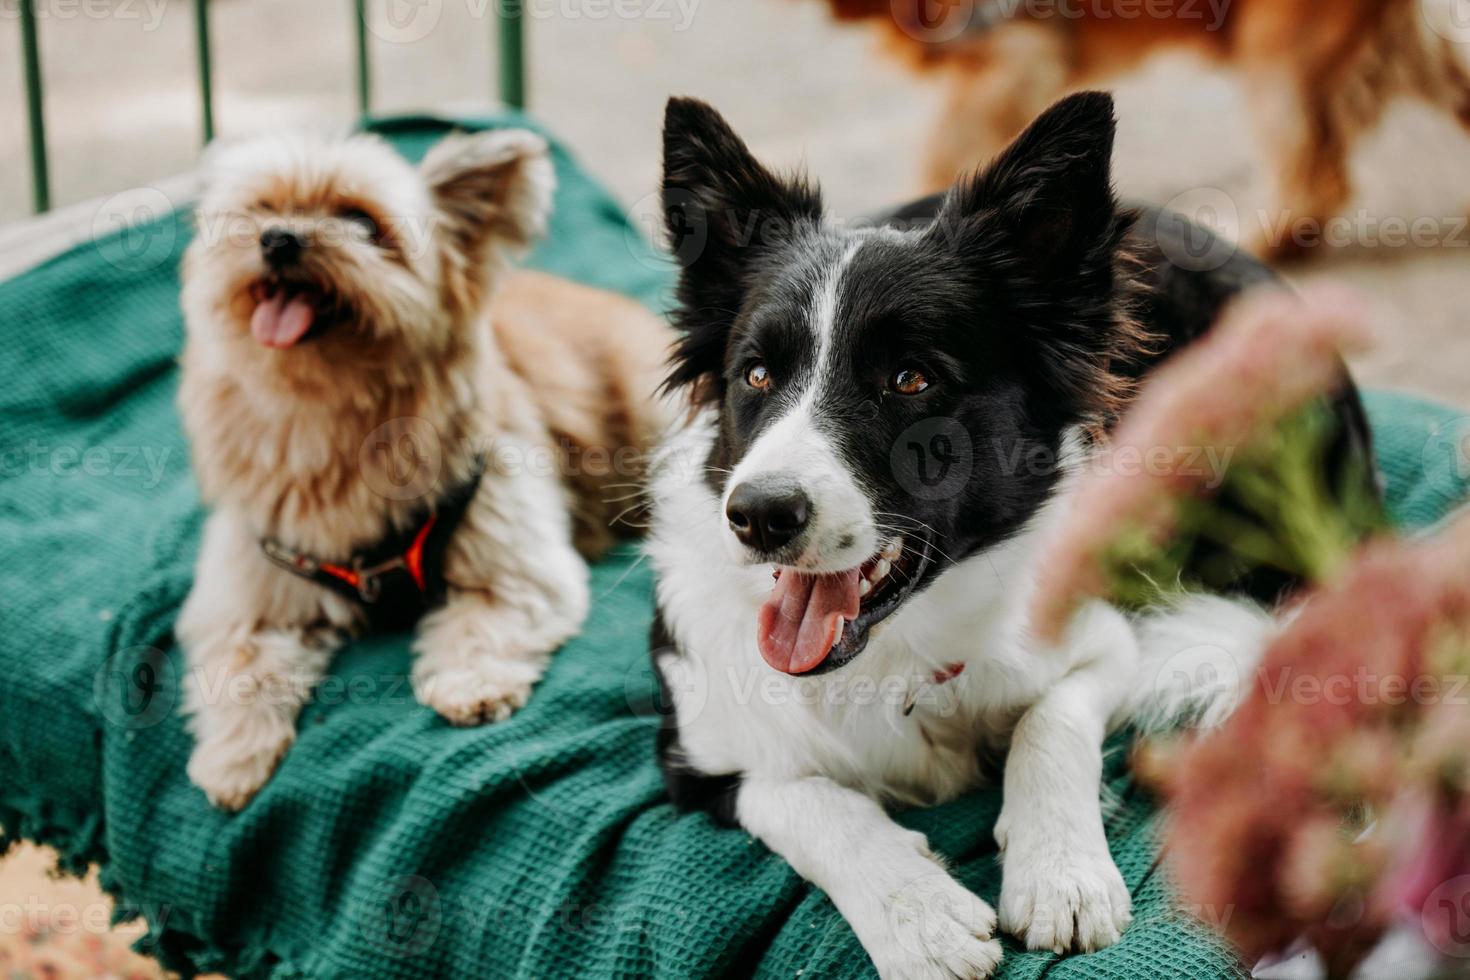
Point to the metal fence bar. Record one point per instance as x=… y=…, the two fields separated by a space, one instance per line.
x=206 y=65
x=35 y=108
x=510 y=22
x=364 y=67
x=511 y=17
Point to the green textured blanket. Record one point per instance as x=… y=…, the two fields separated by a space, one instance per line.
x=390 y=844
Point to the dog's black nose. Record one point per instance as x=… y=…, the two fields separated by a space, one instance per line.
x=281 y=247
x=767 y=519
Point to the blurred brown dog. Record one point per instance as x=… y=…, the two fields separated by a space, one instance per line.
x=1317 y=75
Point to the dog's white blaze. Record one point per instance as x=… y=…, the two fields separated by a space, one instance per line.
x=797 y=450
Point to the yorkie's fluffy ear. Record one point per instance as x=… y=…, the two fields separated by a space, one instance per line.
x=493 y=195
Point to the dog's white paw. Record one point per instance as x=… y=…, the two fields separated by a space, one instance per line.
x=938 y=930
x=1059 y=897
x=232 y=770
x=484 y=689
x=914 y=919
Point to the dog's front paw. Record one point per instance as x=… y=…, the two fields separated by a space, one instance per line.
x=483 y=689
x=476 y=662
x=1060 y=898
x=232 y=770
x=937 y=930
x=914 y=919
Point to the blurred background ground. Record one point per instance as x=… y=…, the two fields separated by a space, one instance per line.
x=123 y=110
x=122 y=107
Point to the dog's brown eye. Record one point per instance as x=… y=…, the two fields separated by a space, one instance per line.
x=363 y=220
x=757 y=376
x=908 y=381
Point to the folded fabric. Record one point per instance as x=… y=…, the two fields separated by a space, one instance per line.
x=391 y=844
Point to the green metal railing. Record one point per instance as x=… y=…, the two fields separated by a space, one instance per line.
x=510 y=35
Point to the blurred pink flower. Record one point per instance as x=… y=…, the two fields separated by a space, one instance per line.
x=1271 y=353
x=1267 y=813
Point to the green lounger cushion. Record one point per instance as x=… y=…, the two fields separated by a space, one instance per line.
x=390 y=844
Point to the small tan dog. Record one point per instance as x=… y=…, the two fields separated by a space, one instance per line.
x=373 y=450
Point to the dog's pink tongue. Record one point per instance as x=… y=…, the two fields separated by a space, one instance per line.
x=280 y=322
x=797 y=626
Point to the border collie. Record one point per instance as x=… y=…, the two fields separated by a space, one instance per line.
x=884 y=419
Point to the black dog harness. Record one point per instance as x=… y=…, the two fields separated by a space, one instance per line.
x=401 y=577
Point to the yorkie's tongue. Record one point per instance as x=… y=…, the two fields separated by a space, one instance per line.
x=282 y=319
x=800 y=622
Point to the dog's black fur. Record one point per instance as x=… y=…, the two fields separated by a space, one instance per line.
x=1032 y=300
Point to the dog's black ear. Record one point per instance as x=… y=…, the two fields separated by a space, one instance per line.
x=1042 y=232
x=1050 y=194
x=723 y=212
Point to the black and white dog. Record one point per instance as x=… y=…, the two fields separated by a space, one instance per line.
x=844 y=534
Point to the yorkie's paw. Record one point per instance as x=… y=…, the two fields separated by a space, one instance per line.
x=473 y=663
x=480 y=690
x=232 y=771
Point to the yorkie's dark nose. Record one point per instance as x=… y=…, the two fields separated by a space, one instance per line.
x=281 y=247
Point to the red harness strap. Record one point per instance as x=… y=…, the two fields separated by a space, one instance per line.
x=403 y=575
x=943 y=675
x=363 y=579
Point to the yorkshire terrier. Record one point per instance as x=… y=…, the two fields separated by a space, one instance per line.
x=378 y=444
